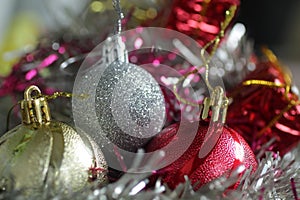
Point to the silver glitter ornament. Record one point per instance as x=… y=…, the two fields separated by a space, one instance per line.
x=129 y=105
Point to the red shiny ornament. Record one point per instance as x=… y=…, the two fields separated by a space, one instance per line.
x=230 y=152
x=199 y=19
x=255 y=106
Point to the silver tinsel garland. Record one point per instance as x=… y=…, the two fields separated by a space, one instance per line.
x=275 y=178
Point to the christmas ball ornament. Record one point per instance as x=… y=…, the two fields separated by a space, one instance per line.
x=126 y=99
x=265 y=108
x=129 y=105
x=230 y=151
x=200 y=20
x=43 y=153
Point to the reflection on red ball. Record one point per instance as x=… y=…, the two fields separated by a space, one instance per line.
x=230 y=152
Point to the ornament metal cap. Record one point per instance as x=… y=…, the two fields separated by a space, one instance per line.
x=34 y=107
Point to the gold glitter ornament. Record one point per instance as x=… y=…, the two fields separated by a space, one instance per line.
x=43 y=153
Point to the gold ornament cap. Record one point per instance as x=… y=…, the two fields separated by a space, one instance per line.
x=34 y=107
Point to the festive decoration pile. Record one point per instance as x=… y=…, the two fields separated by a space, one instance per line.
x=254 y=153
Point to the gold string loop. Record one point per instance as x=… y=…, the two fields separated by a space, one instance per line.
x=218 y=100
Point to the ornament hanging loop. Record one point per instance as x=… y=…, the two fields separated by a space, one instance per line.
x=218 y=103
x=29 y=92
x=114 y=48
x=34 y=108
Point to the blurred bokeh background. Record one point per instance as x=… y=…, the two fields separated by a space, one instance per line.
x=275 y=23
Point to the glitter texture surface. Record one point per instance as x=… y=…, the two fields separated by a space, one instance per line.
x=230 y=152
x=129 y=105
